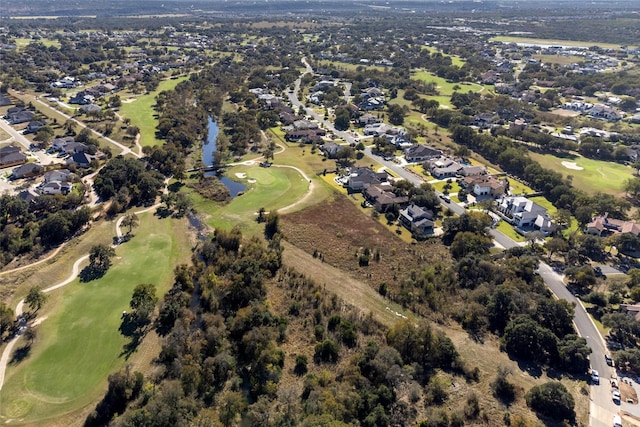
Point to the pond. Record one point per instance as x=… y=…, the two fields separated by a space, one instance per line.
x=208 y=154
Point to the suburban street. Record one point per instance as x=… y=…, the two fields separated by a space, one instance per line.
x=602 y=407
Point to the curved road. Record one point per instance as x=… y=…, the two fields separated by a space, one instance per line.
x=602 y=407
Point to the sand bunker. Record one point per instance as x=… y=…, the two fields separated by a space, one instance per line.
x=241 y=175
x=251 y=181
x=128 y=100
x=572 y=166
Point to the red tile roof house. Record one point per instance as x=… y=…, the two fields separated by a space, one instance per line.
x=602 y=225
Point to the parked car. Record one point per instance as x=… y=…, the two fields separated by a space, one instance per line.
x=608 y=359
x=617 y=421
x=614 y=384
x=595 y=377
x=616 y=396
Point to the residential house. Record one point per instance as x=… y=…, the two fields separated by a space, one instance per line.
x=524 y=213
x=90 y=109
x=382 y=197
x=602 y=225
x=604 y=112
x=417 y=220
x=26 y=170
x=304 y=124
x=445 y=169
x=81 y=98
x=305 y=135
x=483 y=120
x=368 y=119
x=34 y=125
x=82 y=160
x=470 y=170
x=484 y=185
x=376 y=129
x=421 y=153
x=28 y=195
x=17 y=115
x=59 y=144
x=62 y=175
x=11 y=156
x=56 y=187
x=360 y=177
x=330 y=149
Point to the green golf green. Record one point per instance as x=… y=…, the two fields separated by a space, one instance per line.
x=588 y=175
x=79 y=344
x=269 y=188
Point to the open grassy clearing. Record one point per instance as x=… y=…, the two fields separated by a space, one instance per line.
x=553 y=42
x=357 y=199
x=455 y=59
x=596 y=175
x=79 y=344
x=142 y=114
x=346 y=66
x=445 y=87
x=22 y=42
x=558 y=59
x=518 y=188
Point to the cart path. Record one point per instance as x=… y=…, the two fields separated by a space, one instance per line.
x=6 y=354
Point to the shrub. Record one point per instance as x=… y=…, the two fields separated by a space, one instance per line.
x=553 y=400
x=327 y=351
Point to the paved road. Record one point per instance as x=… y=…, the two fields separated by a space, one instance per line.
x=602 y=407
x=125 y=149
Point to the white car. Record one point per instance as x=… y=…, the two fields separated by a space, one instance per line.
x=616 y=396
x=595 y=377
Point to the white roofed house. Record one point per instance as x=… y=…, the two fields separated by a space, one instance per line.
x=525 y=214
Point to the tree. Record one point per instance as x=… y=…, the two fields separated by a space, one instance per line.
x=556 y=244
x=553 y=400
x=100 y=257
x=7 y=319
x=35 y=299
x=525 y=338
x=143 y=301
x=130 y=221
x=272 y=225
x=343 y=118
x=396 y=114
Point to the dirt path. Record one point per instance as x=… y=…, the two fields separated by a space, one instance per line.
x=352 y=291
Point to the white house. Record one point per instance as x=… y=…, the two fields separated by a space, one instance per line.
x=525 y=213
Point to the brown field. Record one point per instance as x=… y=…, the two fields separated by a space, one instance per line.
x=336 y=231
x=565 y=113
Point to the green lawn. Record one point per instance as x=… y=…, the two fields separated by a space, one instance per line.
x=79 y=344
x=508 y=230
x=274 y=188
x=142 y=114
x=446 y=88
x=516 y=187
x=596 y=175
x=22 y=42
x=439 y=186
x=455 y=59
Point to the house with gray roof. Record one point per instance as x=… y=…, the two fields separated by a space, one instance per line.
x=421 y=153
x=417 y=220
x=26 y=170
